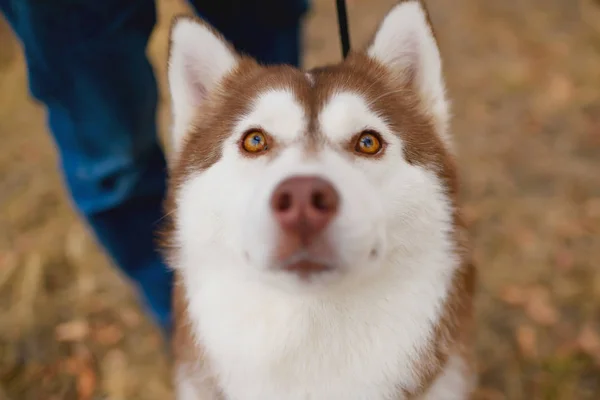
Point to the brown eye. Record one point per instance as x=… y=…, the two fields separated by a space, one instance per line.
x=254 y=142
x=368 y=143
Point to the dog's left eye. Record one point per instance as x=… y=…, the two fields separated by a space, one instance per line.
x=368 y=143
x=255 y=141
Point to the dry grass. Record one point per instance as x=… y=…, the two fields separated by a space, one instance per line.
x=524 y=76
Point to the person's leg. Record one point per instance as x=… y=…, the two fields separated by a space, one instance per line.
x=86 y=62
x=268 y=30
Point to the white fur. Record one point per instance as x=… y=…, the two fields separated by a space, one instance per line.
x=190 y=386
x=198 y=61
x=455 y=383
x=285 y=118
x=185 y=388
x=405 y=44
x=347 y=112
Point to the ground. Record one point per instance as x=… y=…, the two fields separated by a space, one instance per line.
x=524 y=77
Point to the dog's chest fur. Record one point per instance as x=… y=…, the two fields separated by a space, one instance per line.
x=366 y=347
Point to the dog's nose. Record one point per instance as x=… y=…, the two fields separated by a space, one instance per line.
x=304 y=205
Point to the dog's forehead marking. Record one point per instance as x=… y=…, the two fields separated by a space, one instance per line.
x=278 y=111
x=283 y=114
x=347 y=113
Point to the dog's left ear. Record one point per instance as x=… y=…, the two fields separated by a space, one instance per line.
x=199 y=59
x=406 y=45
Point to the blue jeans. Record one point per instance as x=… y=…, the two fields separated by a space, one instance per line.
x=87 y=64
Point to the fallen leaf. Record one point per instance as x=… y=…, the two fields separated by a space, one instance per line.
x=565 y=261
x=565 y=338
x=471 y=214
x=570 y=229
x=592 y=207
x=108 y=335
x=560 y=90
x=86 y=375
x=70 y=365
x=540 y=308
x=86 y=383
x=130 y=317
x=525 y=239
x=97 y=304
x=514 y=295
x=72 y=331
x=589 y=342
x=567 y=349
x=527 y=341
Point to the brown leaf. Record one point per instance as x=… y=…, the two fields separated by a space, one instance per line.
x=108 y=335
x=72 y=331
x=514 y=295
x=471 y=214
x=70 y=365
x=527 y=341
x=540 y=308
x=570 y=229
x=565 y=261
x=589 y=342
x=86 y=383
x=567 y=349
x=525 y=238
x=131 y=318
x=535 y=300
x=592 y=207
x=86 y=375
x=560 y=90
x=97 y=304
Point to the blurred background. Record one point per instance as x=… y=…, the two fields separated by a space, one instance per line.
x=524 y=77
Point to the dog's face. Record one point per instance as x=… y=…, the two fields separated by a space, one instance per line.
x=316 y=179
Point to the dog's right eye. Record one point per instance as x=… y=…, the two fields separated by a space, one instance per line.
x=255 y=141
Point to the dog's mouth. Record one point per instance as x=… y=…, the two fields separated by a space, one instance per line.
x=306 y=265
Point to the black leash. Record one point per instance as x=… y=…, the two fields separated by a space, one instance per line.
x=343 y=25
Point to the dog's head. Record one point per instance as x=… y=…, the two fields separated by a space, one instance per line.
x=312 y=178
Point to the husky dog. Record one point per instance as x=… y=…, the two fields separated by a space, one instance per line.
x=314 y=225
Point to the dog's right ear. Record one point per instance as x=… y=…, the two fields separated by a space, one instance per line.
x=199 y=58
x=406 y=45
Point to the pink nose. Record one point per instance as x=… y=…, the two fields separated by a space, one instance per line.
x=304 y=206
